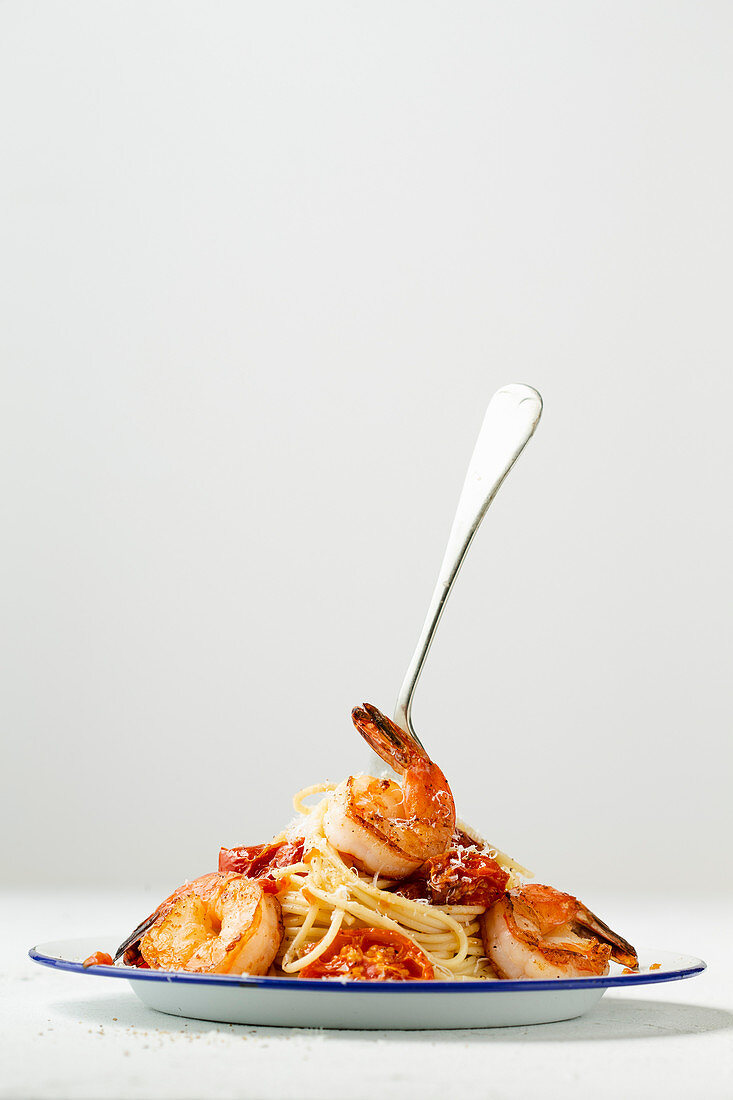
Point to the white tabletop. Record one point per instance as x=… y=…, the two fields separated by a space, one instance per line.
x=69 y=1036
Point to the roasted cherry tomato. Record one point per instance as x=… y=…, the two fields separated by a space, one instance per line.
x=371 y=954
x=99 y=958
x=259 y=859
x=465 y=875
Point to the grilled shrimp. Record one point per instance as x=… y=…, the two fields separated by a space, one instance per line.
x=537 y=932
x=390 y=828
x=222 y=923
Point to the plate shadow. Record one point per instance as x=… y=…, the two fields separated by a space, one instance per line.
x=612 y=1019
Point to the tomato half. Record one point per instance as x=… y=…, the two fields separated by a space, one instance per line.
x=463 y=876
x=259 y=859
x=371 y=954
x=99 y=958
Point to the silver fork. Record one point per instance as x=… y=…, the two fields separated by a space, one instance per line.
x=511 y=418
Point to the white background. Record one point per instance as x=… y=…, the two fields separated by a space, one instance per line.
x=262 y=267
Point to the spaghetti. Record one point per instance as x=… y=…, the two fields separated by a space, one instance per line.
x=325 y=894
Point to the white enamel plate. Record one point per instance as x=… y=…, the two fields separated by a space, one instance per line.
x=298 y=1002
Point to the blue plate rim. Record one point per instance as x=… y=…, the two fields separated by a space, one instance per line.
x=609 y=981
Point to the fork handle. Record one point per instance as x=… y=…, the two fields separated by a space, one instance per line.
x=511 y=418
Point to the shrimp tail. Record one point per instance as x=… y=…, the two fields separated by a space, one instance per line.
x=136 y=935
x=621 y=950
x=388 y=740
